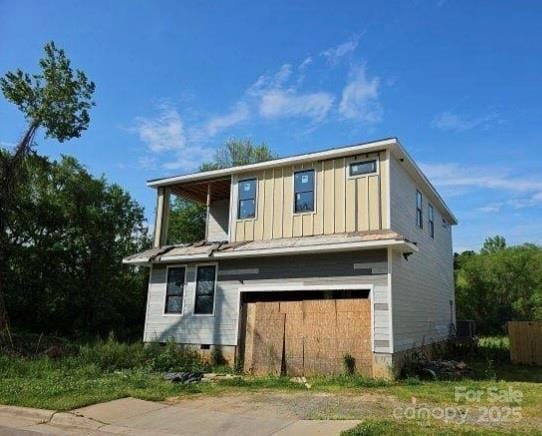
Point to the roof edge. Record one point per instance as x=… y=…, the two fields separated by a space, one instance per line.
x=363 y=147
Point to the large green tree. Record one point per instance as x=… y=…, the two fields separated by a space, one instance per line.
x=499 y=284
x=56 y=99
x=68 y=235
x=187 y=218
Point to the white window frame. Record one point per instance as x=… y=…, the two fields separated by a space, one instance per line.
x=168 y=267
x=431 y=220
x=420 y=226
x=300 y=170
x=360 y=161
x=215 y=264
x=238 y=200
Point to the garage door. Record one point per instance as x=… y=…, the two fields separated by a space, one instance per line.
x=307 y=337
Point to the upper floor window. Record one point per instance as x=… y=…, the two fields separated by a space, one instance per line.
x=304 y=191
x=361 y=168
x=419 y=209
x=247 y=199
x=175 y=290
x=431 y=214
x=205 y=290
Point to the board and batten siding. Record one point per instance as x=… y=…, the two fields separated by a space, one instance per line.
x=422 y=287
x=342 y=203
x=367 y=267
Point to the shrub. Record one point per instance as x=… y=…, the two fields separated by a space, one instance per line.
x=349 y=364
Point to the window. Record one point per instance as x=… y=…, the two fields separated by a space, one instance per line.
x=247 y=199
x=205 y=290
x=431 y=214
x=175 y=290
x=360 y=168
x=419 y=211
x=304 y=191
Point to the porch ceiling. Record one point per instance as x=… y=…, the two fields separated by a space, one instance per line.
x=197 y=191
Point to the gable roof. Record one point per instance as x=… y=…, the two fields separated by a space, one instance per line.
x=391 y=144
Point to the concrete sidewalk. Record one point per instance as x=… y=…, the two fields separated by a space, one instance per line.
x=131 y=416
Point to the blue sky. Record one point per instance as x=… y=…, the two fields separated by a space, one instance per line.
x=459 y=82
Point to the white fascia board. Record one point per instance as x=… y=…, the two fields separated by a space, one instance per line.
x=398 y=245
x=294 y=160
x=328 y=248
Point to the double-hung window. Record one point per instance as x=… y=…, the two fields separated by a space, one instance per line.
x=431 y=215
x=205 y=289
x=304 y=191
x=419 y=209
x=247 y=199
x=174 y=290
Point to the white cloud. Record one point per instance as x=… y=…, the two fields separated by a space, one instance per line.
x=491 y=208
x=334 y=54
x=147 y=162
x=163 y=133
x=279 y=103
x=275 y=99
x=518 y=192
x=360 y=98
x=460 y=175
x=166 y=133
x=450 y=121
x=239 y=113
x=190 y=159
x=303 y=65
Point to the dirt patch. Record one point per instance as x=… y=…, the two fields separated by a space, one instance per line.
x=305 y=405
x=318 y=405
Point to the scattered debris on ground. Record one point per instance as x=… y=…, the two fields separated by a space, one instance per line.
x=196 y=377
x=184 y=377
x=301 y=380
x=436 y=369
x=213 y=377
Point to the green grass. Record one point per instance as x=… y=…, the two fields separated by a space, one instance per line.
x=109 y=370
x=414 y=428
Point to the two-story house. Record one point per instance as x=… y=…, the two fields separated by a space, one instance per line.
x=309 y=262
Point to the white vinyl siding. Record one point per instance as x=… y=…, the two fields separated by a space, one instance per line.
x=301 y=270
x=422 y=286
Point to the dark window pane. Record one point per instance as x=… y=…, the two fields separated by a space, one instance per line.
x=205 y=290
x=247 y=189
x=174 y=304
x=247 y=209
x=304 y=181
x=175 y=281
x=175 y=290
x=204 y=305
x=304 y=202
x=358 y=168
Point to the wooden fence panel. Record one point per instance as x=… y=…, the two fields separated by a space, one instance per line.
x=525 y=342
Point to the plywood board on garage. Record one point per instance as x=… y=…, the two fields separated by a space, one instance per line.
x=308 y=337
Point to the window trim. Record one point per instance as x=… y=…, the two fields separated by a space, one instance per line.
x=359 y=161
x=164 y=305
x=431 y=220
x=420 y=224
x=315 y=173
x=246 y=179
x=215 y=264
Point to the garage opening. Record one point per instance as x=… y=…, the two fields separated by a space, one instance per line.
x=306 y=332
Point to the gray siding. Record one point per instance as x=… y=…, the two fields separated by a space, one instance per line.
x=221 y=328
x=218 y=221
x=421 y=286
